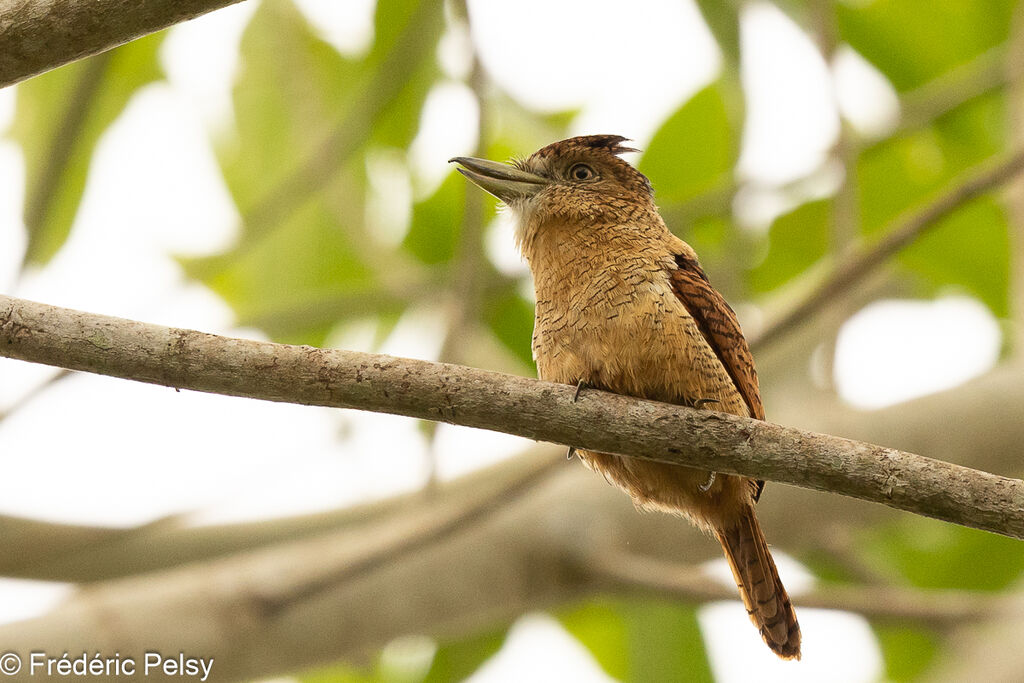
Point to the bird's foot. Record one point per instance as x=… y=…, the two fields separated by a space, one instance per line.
x=575 y=397
x=706 y=486
x=699 y=402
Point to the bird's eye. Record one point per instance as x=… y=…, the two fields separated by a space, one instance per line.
x=581 y=172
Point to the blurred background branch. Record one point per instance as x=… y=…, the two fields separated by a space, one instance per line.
x=623 y=571
x=527 y=553
x=853 y=267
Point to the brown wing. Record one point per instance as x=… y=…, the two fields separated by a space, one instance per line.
x=717 y=322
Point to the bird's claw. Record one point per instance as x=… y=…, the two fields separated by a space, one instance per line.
x=571 y=452
x=580 y=386
x=706 y=486
x=699 y=402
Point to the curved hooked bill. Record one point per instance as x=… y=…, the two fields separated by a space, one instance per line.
x=505 y=182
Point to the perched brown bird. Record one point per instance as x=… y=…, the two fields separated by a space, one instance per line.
x=624 y=306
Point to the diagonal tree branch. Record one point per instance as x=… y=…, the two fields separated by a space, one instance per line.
x=854 y=267
x=428 y=531
x=516 y=405
x=982 y=75
x=83 y=554
x=38 y=36
x=35 y=392
x=246 y=610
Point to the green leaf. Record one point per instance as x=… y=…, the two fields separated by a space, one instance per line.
x=453 y=661
x=281 y=284
x=398 y=124
x=59 y=118
x=723 y=20
x=641 y=641
x=908 y=651
x=304 y=260
x=337 y=673
x=293 y=88
x=968 y=250
x=902 y=171
x=390 y=20
x=931 y=554
x=666 y=643
x=457 y=660
x=694 y=150
x=403 y=29
x=914 y=41
x=510 y=317
x=796 y=241
x=601 y=626
x=433 y=236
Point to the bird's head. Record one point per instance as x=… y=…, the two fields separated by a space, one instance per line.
x=578 y=180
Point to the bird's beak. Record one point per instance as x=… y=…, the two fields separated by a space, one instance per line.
x=505 y=182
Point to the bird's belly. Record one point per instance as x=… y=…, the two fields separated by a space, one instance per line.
x=646 y=346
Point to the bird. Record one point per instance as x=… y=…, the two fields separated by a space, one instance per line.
x=623 y=305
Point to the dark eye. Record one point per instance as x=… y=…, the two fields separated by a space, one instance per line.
x=581 y=172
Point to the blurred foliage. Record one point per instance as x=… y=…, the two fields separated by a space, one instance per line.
x=433 y=235
x=930 y=554
x=339 y=673
x=695 y=150
x=310 y=123
x=908 y=650
x=59 y=119
x=453 y=661
x=970 y=249
x=294 y=105
x=915 y=41
x=641 y=640
x=723 y=20
x=798 y=240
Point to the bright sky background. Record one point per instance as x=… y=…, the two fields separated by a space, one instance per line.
x=94 y=456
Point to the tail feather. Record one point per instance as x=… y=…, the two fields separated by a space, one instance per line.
x=758 y=581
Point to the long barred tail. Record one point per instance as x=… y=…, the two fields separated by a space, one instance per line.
x=758 y=580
